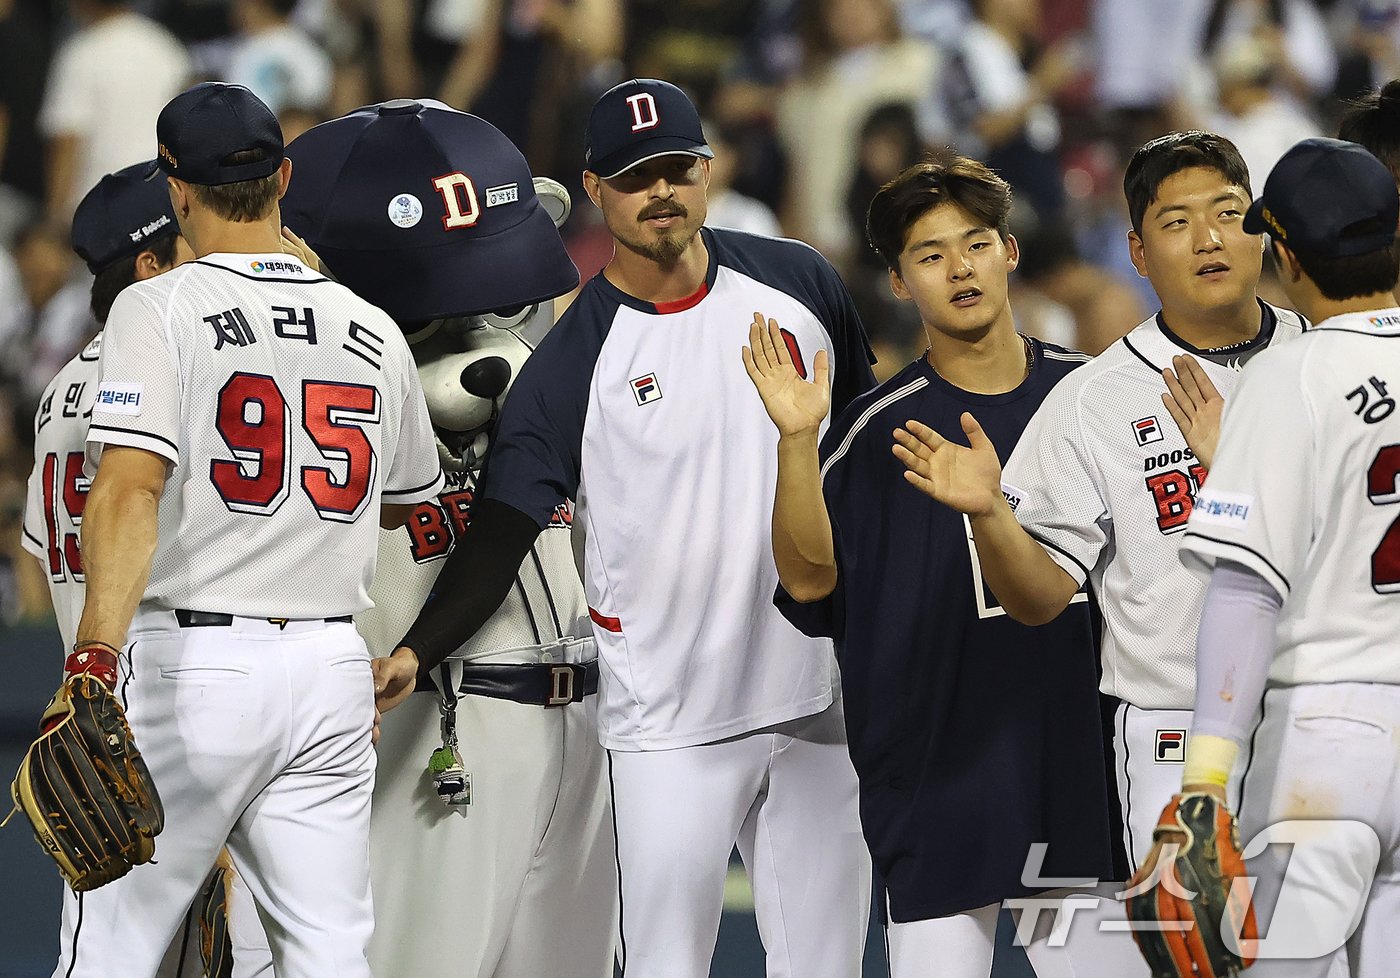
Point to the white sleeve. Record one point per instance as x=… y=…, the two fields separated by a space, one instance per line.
x=414 y=474
x=68 y=99
x=138 y=392
x=1055 y=487
x=1256 y=507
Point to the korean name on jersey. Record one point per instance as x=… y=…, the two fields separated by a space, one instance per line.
x=285 y=402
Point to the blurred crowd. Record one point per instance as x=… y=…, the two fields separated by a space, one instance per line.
x=810 y=105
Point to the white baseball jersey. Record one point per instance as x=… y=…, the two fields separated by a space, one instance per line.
x=1305 y=491
x=289 y=407
x=58 y=487
x=1104 y=480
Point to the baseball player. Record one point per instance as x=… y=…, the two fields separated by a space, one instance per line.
x=722 y=722
x=1298 y=533
x=509 y=829
x=252 y=423
x=930 y=667
x=1101 y=484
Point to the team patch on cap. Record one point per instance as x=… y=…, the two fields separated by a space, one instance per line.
x=505 y=194
x=114 y=397
x=405 y=210
x=646 y=388
x=1170 y=747
x=1147 y=430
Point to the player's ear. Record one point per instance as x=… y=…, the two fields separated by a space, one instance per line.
x=147 y=266
x=1013 y=252
x=593 y=186
x=1287 y=261
x=284 y=177
x=898 y=287
x=1135 y=252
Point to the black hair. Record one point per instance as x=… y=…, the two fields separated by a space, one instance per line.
x=1374 y=121
x=1350 y=277
x=943 y=178
x=1167 y=155
x=110 y=281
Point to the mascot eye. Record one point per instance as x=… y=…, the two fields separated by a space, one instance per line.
x=509 y=318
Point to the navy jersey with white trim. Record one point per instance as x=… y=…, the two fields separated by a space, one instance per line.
x=953 y=707
x=645 y=415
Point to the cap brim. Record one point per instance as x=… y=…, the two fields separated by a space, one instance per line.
x=623 y=160
x=523 y=264
x=1254 y=222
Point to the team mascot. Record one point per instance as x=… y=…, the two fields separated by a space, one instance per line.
x=491 y=835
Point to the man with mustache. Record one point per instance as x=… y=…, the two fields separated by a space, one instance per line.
x=723 y=723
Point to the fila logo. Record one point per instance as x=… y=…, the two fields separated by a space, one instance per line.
x=459 y=197
x=646 y=389
x=1147 y=430
x=643 y=111
x=1171 y=747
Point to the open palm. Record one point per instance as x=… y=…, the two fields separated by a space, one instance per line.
x=967 y=478
x=794 y=405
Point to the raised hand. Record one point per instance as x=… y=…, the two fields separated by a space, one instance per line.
x=1195 y=406
x=795 y=405
x=967 y=478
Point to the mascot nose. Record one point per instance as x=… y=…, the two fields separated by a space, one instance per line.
x=486 y=378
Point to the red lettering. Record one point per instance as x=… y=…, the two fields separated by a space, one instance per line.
x=1171 y=491
x=428 y=530
x=458 y=506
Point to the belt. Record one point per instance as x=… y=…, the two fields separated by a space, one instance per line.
x=204 y=619
x=534 y=684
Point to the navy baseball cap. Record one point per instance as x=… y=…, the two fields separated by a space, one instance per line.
x=1329 y=198
x=121 y=216
x=640 y=120
x=202 y=127
x=425 y=211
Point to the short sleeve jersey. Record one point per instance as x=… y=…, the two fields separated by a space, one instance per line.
x=58 y=487
x=1305 y=491
x=290 y=409
x=1104 y=480
x=645 y=415
x=953 y=707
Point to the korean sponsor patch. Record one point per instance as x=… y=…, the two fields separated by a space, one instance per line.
x=1217 y=508
x=1013 y=495
x=114 y=397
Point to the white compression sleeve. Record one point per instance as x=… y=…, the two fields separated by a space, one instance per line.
x=1234 y=649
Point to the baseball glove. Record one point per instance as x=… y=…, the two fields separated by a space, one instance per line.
x=215 y=941
x=1182 y=903
x=85 y=788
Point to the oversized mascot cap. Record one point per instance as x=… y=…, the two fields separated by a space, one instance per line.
x=425 y=211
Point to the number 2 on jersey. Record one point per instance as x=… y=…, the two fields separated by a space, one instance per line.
x=254 y=421
x=1382 y=487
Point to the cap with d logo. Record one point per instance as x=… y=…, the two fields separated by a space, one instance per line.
x=1329 y=198
x=640 y=120
x=425 y=211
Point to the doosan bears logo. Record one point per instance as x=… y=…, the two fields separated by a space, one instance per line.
x=437 y=525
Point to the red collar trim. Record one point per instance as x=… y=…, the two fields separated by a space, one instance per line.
x=689 y=302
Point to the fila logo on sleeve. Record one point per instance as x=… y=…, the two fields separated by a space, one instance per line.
x=1147 y=430
x=1171 y=747
x=644 y=115
x=646 y=389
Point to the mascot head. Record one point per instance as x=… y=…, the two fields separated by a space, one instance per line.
x=432 y=215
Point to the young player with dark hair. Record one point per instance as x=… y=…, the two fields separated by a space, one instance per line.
x=1296 y=533
x=938 y=681
x=1099 y=487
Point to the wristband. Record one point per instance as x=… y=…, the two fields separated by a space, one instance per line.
x=1209 y=760
x=97 y=659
